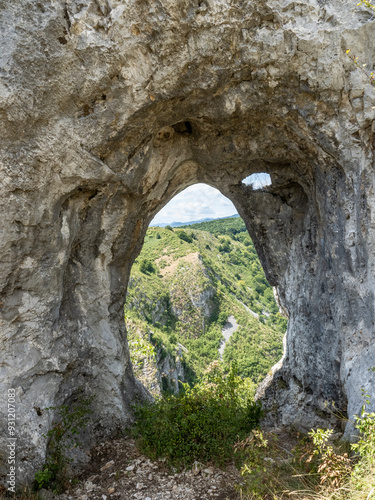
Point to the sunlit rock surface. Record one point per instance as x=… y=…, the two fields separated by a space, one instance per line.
x=108 y=109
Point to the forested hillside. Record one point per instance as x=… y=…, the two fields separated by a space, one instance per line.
x=184 y=286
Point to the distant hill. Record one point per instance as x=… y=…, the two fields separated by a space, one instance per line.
x=184 y=286
x=180 y=224
x=228 y=226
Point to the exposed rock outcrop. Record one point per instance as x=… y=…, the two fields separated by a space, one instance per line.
x=170 y=371
x=110 y=108
x=156 y=368
x=192 y=293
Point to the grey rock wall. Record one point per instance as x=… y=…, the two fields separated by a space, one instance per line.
x=170 y=371
x=109 y=108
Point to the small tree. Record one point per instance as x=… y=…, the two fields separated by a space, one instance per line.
x=147 y=267
x=225 y=246
x=185 y=237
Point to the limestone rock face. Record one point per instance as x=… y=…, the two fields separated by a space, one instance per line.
x=170 y=371
x=109 y=108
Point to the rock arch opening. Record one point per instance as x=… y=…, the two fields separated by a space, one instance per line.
x=259 y=180
x=197 y=293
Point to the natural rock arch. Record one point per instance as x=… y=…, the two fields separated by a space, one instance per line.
x=110 y=108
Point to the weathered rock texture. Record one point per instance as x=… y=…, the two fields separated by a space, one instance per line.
x=111 y=107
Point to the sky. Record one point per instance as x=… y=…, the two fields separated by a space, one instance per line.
x=194 y=203
x=202 y=202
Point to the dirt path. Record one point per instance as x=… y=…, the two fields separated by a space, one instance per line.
x=228 y=330
x=117 y=470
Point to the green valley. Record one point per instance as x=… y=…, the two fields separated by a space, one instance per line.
x=184 y=286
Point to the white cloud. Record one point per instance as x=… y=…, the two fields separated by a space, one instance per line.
x=258 y=181
x=196 y=202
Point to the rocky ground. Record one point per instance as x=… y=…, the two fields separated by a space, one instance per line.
x=118 y=470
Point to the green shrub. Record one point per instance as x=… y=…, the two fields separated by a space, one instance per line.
x=365 y=445
x=223 y=317
x=184 y=236
x=201 y=424
x=170 y=228
x=140 y=351
x=225 y=246
x=147 y=267
x=333 y=468
x=363 y=475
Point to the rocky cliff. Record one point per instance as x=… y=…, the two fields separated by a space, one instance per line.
x=111 y=107
x=158 y=367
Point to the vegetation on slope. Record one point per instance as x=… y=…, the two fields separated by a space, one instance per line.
x=319 y=466
x=202 y=423
x=187 y=282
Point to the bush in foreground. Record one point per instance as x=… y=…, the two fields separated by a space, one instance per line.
x=317 y=468
x=201 y=424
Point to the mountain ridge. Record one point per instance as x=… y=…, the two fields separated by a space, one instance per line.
x=199 y=221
